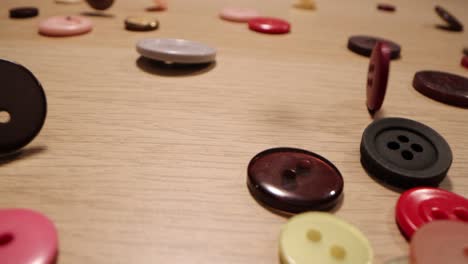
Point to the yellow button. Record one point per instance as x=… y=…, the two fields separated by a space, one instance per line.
x=322 y=238
x=305 y=4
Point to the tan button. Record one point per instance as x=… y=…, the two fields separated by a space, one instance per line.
x=305 y=4
x=141 y=23
x=68 y=1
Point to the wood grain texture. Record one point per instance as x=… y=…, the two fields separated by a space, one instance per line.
x=140 y=165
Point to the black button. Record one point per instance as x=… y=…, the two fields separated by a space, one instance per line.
x=405 y=153
x=23 y=106
x=363 y=45
x=24 y=12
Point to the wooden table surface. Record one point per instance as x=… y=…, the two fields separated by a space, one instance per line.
x=143 y=164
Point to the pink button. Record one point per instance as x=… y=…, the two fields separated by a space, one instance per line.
x=27 y=237
x=62 y=26
x=236 y=14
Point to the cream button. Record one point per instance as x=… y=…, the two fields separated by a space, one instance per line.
x=175 y=50
x=317 y=237
x=236 y=14
x=62 y=26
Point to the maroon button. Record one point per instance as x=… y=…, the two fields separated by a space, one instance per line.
x=293 y=180
x=363 y=45
x=452 y=21
x=386 y=7
x=419 y=206
x=464 y=61
x=377 y=76
x=269 y=25
x=443 y=87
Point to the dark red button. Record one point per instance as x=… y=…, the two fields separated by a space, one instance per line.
x=294 y=180
x=363 y=45
x=100 y=4
x=443 y=87
x=269 y=25
x=386 y=7
x=419 y=206
x=453 y=23
x=464 y=61
x=377 y=76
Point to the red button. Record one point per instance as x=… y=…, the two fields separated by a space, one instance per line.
x=377 y=77
x=464 y=61
x=27 y=237
x=419 y=206
x=269 y=25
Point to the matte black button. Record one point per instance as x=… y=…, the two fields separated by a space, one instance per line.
x=23 y=107
x=405 y=153
x=24 y=12
x=293 y=180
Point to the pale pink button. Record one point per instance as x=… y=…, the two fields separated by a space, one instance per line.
x=62 y=26
x=27 y=237
x=236 y=14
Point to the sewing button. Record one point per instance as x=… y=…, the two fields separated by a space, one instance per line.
x=404 y=153
x=419 y=206
x=141 y=23
x=27 y=237
x=23 y=107
x=237 y=14
x=377 y=77
x=24 y=12
x=269 y=25
x=292 y=180
x=316 y=237
x=62 y=26
x=453 y=23
x=363 y=45
x=100 y=4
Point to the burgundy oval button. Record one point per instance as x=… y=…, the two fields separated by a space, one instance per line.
x=464 y=61
x=377 y=76
x=419 y=206
x=27 y=237
x=269 y=25
x=294 y=180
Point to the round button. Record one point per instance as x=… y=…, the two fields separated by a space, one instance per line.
x=141 y=23
x=176 y=50
x=363 y=45
x=323 y=238
x=24 y=12
x=464 y=62
x=305 y=4
x=465 y=51
x=294 y=180
x=453 y=23
x=68 y=1
x=23 y=107
x=419 y=206
x=238 y=14
x=440 y=242
x=269 y=25
x=27 y=237
x=377 y=76
x=443 y=87
x=100 y=4
x=159 y=5
x=62 y=26
x=404 y=153
x=386 y=7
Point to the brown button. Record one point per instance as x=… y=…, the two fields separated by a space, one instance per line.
x=141 y=23
x=443 y=87
x=100 y=4
x=294 y=180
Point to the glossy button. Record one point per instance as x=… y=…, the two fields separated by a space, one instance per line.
x=305 y=4
x=443 y=87
x=404 y=153
x=27 y=237
x=238 y=14
x=269 y=25
x=24 y=12
x=377 y=77
x=176 y=50
x=363 y=45
x=62 y=26
x=419 y=206
x=440 y=242
x=141 y=23
x=294 y=180
x=453 y=23
x=100 y=4
x=323 y=238
x=23 y=107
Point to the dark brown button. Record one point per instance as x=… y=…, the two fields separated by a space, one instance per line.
x=453 y=23
x=293 y=180
x=141 y=23
x=23 y=107
x=377 y=76
x=24 y=12
x=386 y=7
x=443 y=87
x=465 y=51
x=363 y=45
x=100 y=4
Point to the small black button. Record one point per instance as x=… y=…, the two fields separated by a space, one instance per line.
x=405 y=153
x=24 y=12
